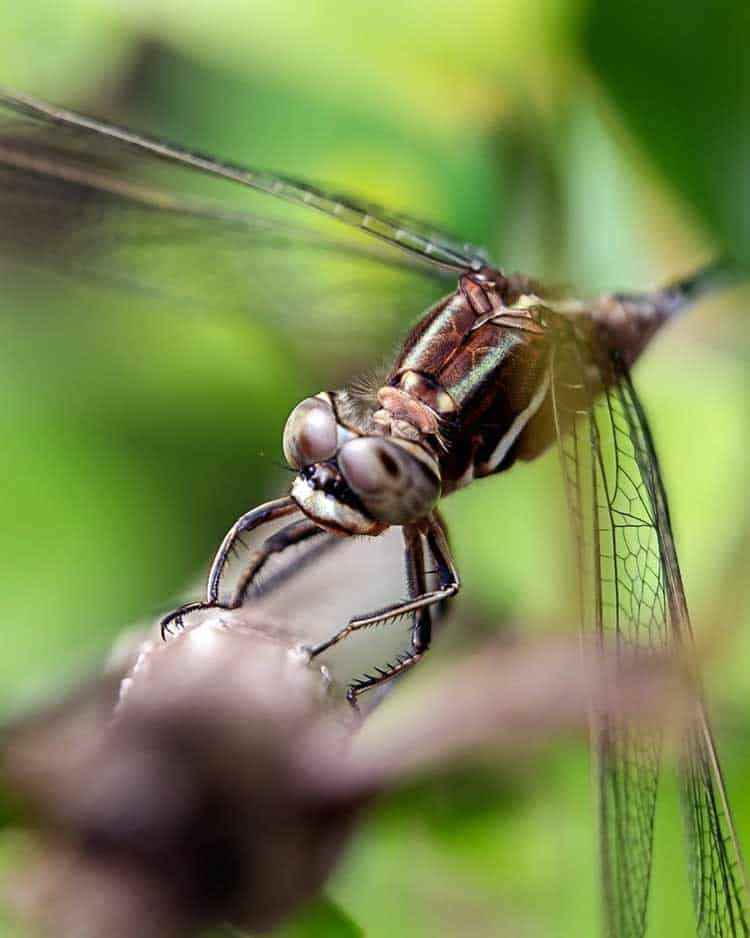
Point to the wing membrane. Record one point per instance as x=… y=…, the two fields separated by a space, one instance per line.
x=716 y=865
x=410 y=235
x=632 y=593
x=79 y=209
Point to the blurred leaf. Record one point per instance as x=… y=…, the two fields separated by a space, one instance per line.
x=11 y=809
x=680 y=74
x=77 y=45
x=323 y=918
x=442 y=68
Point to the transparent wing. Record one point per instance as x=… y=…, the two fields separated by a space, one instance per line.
x=407 y=234
x=83 y=209
x=74 y=181
x=632 y=593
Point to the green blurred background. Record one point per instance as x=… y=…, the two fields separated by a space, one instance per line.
x=603 y=145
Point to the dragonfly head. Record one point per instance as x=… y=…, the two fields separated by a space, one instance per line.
x=356 y=483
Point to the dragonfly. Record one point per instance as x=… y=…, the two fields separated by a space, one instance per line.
x=496 y=372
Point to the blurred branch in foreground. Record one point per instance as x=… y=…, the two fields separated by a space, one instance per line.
x=231 y=775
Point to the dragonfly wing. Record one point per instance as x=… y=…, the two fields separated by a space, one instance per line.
x=718 y=877
x=632 y=593
x=409 y=235
x=85 y=210
x=716 y=865
x=618 y=564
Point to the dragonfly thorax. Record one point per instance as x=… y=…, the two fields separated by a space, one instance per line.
x=357 y=480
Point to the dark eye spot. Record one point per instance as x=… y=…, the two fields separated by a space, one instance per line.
x=389 y=464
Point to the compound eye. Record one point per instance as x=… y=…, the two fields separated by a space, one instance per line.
x=392 y=484
x=310 y=433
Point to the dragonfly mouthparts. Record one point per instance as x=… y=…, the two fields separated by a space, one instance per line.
x=326 y=477
x=321 y=492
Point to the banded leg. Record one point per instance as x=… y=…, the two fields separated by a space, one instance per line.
x=448 y=586
x=263 y=514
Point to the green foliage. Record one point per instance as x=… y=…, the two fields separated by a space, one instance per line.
x=321 y=917
x=680 y=76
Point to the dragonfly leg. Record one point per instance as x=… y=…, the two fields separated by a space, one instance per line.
x=421 y=630
x=291 y=534
x=418 y=604
x=263 y=514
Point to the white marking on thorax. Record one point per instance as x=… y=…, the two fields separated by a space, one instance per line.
x=467 y=477
x=514 y=430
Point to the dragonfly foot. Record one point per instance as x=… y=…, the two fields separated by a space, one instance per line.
x=177 y=617
x=351 y=697
x=165 y=626
x=306 y=652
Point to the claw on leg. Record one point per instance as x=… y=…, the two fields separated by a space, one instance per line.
x=291 y=534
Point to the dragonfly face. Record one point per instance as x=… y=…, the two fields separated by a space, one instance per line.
x=493 y=373
x=353 y=481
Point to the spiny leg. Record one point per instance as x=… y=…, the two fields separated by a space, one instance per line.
x=263 y=514
x=448 y=585
x=422 y=626
x=291 y=568
x=291 y=534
